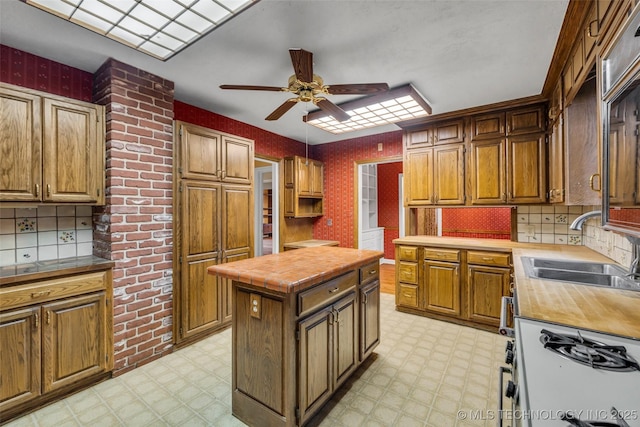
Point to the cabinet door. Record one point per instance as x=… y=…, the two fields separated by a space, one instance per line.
x=237 y=160
x=237 y=221
x=486 y=287
x=74 y=340
x=418 y=138
x=226 y=286
x=525 y=120
x=442 y=285
x=369 y=318
x=303 y=176
x=419 y=177
x=448 y=178
x=622 y=165
x=73 y=152
x=19 y=356
x=21 y=146
x=488 y=169
x=200 y=305
x=315 y=361
x=345 y=339
x=317 y=177
x=448 y=132
x=487 y=126
x=526 y=169
x=556 y=162
x=199 y=153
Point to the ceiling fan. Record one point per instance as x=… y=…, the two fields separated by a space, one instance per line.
x=309 y=87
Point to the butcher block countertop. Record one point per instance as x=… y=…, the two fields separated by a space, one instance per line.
x=310 y=243
x=614 y=311
x=293 y=271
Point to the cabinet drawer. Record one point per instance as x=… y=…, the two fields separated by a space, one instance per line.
x=488 y=258
x=408 y=253
x=37 y=292
x=326 y=292
x=442 y=254
x=408 y=272
x=369 y=272
x=407 y=295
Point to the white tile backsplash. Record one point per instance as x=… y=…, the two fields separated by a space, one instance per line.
x=45 y=233
x=550 y=224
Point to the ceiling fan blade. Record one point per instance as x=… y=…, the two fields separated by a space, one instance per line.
x=249 y=87
x=338 y=113
x=355 y=89
x=278 y=112
x=302 y=61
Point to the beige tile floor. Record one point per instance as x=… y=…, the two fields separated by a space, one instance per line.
x=423 y=372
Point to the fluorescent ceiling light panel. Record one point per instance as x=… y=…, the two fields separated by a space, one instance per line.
x=396 y=105
x=160 y=28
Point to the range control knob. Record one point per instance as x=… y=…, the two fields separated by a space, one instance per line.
x=509 y=346
x=508 y=358
x=511 y=389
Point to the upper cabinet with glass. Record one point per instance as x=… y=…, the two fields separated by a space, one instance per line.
x=621 y=129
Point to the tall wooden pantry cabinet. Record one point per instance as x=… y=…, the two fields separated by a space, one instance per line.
x=213 y=223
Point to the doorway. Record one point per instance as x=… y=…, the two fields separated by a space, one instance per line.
x=266 y=196
x=378 y=192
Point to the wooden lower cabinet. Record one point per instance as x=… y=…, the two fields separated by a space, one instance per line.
x=328 y=350
x=57 y=345
x=441 y=282
x=439 y=287
x=485 y=288
x=292 y=351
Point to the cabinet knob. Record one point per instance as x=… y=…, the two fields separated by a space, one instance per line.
x=333 y=291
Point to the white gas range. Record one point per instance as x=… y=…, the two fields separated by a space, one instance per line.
x=564 y=376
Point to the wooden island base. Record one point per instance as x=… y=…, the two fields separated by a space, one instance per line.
x=303 y=322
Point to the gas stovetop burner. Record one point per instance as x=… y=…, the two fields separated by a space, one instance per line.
x=589 y=352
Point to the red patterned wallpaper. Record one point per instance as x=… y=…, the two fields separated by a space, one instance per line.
x=339 y=159
x=489 y=223
x=266 y=143
x=27 y=70
x=388 y=204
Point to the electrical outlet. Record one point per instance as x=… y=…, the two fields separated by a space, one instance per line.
x=379 y=146
x=529 y=230
x=329 y=222
x=256 y=306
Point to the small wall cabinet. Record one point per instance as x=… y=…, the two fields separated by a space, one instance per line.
x=53 y=148
x=303 y=187
x=55 y=336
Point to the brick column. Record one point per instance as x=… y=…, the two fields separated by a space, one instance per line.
x=134 y=228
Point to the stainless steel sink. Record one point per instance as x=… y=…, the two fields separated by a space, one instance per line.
x=588 y=273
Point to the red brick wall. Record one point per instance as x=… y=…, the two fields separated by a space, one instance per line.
x=134 y=229
x=339 y=158
x=388 y=204
x=266 y=143
x=27 y=70
x=488 y=223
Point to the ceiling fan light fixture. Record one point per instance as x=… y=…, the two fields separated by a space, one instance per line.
x=396 y=105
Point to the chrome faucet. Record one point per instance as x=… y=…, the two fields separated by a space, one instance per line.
x=577 y=224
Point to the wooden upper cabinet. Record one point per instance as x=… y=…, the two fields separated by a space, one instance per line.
x=448 y=175
x=317 y=178
x=237 y=160
x=488 y=126
x=53 y=149
x=303 y=187
x=418 y=178
x=214 y=156
x=447 y=132
x=525 y=120
x=21 y=146
x=487 y=164
x=526 y=169
x=304 y=176
x=72 y=171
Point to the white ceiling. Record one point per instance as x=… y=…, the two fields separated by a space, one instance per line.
x=457 y=53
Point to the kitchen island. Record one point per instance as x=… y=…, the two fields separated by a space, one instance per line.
x=303 y=322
